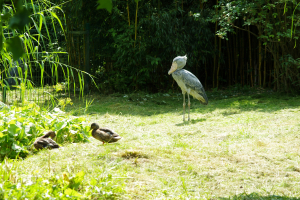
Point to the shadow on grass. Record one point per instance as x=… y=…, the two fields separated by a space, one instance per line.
x=255 y=196
x=193 y=121
x=143 y=104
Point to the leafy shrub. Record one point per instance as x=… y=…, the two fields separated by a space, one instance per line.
x=20 y=126
x=54 y=187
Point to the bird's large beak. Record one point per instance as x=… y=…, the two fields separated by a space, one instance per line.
x=173 y=68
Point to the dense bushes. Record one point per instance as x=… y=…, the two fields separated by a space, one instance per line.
x=133 y=47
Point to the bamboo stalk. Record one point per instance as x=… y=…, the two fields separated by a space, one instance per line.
x=250 y=58
x=242 y=58
x=78 y=50
x=219 y=60
x=277 y=69
x=275 y=79
x=128 y=13
x=214 y=71
x=236 y=59
x=205 y=75
x=229 y=63
x=136 y=12
x=270 y=78
x=259 y=63
x=265 y=68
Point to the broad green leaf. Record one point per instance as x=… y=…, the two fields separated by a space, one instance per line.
x=72 y=193
x=60 y=125
x=16 y=147
x=13 y=129
x=27 y=128
x=76 y=181
x=80 y=176
x=93 y=182
x=4 y=151
x=105 y=4
x=1 y=37
x=20 y=19
x=5 y=16
x=14 y=46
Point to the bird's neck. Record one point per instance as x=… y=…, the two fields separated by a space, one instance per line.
x=45 y=136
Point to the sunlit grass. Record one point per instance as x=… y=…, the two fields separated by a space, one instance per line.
x=239 y=146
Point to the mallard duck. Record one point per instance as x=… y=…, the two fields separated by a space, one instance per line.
x=104 y=134
x=46 y=142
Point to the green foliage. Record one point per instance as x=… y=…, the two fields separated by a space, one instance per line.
x=105 y=4
x=60 y=187
x=14 y=46
x=159 y=153
x=16 y=21
x=122 y=62
x=20 y=126
x=272 y=20
x=30 y=33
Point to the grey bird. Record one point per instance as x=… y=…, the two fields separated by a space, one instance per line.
x=104 y=134
x=188 y=83
x=46 y=142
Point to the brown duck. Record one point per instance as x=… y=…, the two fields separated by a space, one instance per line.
x=104 y=134
x=46 y=142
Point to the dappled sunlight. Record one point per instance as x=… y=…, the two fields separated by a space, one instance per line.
x=255 y=196
x=148 y=104
x=229 y=147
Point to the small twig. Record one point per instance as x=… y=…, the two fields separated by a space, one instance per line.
x=49 y=164
x=244 y=30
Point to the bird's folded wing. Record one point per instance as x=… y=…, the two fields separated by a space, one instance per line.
x=191 y=81
x=108 y=130
x=47 y=142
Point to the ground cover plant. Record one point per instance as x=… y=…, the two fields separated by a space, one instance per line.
x=20 y=126
x=242 y=145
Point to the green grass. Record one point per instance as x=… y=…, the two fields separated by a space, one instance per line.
x=239 y=146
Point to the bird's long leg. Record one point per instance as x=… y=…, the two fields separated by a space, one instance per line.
x=189 y=104
x=183 y=106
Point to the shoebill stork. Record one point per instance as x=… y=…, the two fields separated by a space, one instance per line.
x=188 y=83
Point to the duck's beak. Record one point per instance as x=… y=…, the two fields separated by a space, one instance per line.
x=173 y=68
x=90 y=129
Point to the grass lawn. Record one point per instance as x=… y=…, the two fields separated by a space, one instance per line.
x=239 y=146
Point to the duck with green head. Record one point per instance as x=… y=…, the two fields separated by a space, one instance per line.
x=104 y=135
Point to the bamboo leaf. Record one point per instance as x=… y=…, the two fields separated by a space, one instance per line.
x=20 y=19
x=14 y=46
x=105 y=4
